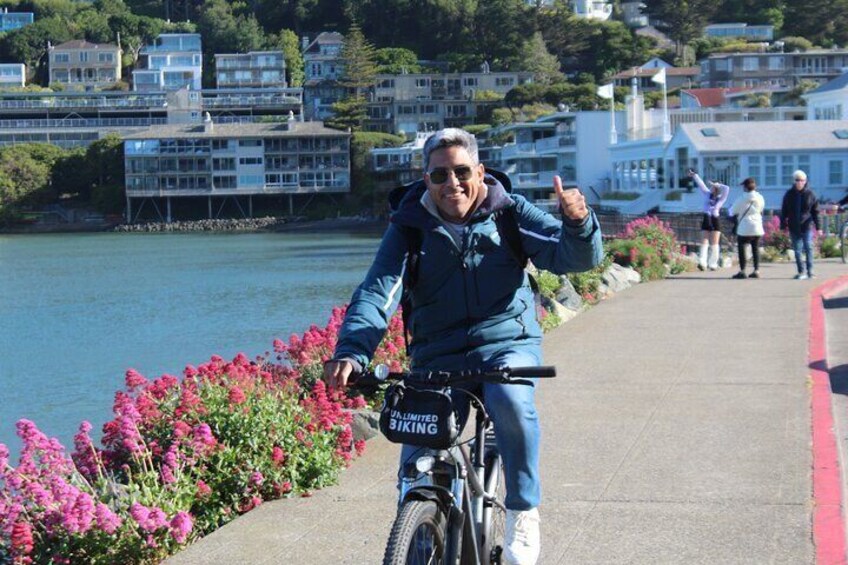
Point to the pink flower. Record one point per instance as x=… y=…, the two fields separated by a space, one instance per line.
x=257 y=478
x=236 y=395
x=278 y=456
x=203 y=489
x=181 y=526
x=21 y=538
x=134 y=379
x=107 y=520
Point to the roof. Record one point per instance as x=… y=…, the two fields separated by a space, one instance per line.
x=759 y=137
x=325 y=37
x=670 y=71
x=838 y=83
x=711 y=97
x=83 y=44
x=270 y=129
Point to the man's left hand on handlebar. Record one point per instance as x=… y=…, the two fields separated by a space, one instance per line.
x=337 y=373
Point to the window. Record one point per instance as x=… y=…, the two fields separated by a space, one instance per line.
x=250 y=143
x=709 y=132
x=61 y=58
x=250 y=160
x=775 y=63
x=771 y=170
x=422 y=82
x=83 y=56
x=469 y=81
x=750 y=64
x=387 y=83
x=754 y=168
x=220 y=144
x=834 y=172
x=223 y=164
x=105 y=57
x=251 y=180
x=228 y=181
x=504 y=81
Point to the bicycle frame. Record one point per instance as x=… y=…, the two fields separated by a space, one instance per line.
x=467 y=494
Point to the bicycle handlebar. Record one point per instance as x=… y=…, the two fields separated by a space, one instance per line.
x=503 y=375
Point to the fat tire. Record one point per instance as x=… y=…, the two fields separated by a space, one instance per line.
x=412 y=516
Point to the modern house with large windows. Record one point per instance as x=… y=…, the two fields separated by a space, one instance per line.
x=421 y=102
x=234 y=163
x=776 y=70
x=323 y=66
x=10 y=21
x=81 y=65
x=174 y=61
x=256 y=69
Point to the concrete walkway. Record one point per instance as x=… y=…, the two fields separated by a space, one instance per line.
x=677 y=432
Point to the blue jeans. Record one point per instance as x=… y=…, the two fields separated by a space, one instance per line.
x=513 y=409
x=803 y=242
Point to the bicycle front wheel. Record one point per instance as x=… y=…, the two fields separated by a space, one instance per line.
x=418 y=535
x=494 y=517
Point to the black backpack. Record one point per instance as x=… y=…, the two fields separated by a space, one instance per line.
x=506 y=221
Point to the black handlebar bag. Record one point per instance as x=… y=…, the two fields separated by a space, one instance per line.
x=419 y=416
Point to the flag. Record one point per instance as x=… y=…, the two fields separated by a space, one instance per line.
x=605 y=91
x=659 y=78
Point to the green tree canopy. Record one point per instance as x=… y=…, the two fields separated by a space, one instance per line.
x=541 y=62
x=396 y=60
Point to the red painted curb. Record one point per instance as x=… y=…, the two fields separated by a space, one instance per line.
x=828 y=520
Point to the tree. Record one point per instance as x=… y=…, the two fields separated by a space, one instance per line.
x=683 y=20
x=396 y=60
x=359 y=72
x=288 y=42
x=539 y=61
x=499 y=29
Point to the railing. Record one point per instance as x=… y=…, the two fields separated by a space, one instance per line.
x=147 y=102
x=82 y=123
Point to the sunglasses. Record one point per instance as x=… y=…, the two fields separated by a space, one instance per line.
x=800 y=180
x=462 y=173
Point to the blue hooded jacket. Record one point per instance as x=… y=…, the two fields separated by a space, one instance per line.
x=472 y=300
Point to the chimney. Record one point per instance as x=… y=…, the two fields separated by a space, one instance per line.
x=208 y=125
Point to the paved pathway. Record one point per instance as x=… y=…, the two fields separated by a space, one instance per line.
x=677 y=432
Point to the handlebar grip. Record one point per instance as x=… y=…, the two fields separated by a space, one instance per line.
x=542 y=372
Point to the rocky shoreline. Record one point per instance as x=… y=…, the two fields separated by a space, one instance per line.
x=223 y=225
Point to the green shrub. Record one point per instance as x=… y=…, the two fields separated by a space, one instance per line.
x=674 y=196
x=829 y=246
x=640 y=255
x=772 y=254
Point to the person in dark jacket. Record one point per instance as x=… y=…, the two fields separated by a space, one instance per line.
x=473 y=306
x=800 y=213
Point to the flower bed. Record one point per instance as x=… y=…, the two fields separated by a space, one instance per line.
x=182 y=456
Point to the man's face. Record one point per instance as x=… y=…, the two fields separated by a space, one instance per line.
x=800 y=183
x=456 y=198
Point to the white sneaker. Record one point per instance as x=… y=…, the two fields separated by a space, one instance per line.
x=801 y=276
x=522 y=543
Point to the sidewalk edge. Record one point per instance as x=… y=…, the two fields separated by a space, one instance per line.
x=828 y=520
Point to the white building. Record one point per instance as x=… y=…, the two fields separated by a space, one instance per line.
x=174 y=61
x=255 y=69
x=592 y=9
x=234 y=161
x=829 y=101
x=12 y=74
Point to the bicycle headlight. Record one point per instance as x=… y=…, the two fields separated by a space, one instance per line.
x=425 y=464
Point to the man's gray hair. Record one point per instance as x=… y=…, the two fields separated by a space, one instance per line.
x=450 y=137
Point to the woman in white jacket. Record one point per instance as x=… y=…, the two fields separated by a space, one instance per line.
x=748 y=208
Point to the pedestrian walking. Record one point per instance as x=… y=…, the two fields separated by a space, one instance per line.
x=800 y=214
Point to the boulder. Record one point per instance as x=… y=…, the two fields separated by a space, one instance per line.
x=365 y=424
x=567 y=296
x=616 y=279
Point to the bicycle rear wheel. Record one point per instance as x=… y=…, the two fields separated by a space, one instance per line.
x=494 y=517
x=418 y=535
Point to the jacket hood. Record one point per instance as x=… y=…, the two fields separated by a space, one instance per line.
x=407 y=210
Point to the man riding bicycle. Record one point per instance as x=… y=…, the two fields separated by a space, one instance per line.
x=473 y=305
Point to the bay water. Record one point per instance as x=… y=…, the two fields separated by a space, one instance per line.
x=78 y=310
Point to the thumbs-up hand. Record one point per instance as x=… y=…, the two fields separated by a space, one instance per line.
x=571 y=201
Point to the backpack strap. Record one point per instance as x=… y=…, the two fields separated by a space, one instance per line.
x=506 y=221
x=410 y=277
